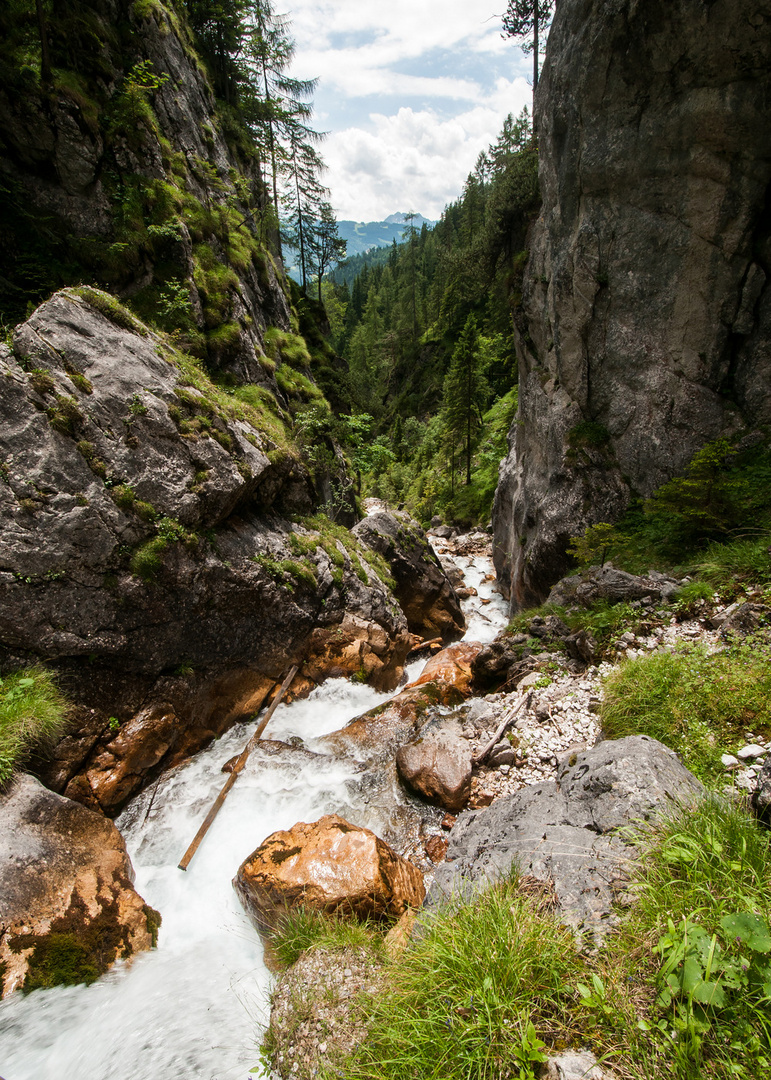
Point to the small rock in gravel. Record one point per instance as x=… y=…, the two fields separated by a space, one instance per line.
x=729 y=761
x=752 y=751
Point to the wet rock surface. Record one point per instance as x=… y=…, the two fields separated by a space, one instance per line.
x=330 y=866
x=425 y=594
x=67 y=902
x=452 y=667
x=625 y=363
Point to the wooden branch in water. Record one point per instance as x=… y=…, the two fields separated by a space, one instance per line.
x=237 y=767
x=508 y=718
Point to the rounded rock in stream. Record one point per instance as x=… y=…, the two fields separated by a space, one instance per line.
x=437 y=768
x=68 y=906
x=328 y=865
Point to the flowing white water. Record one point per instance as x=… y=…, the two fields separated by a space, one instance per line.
x=193 y=1009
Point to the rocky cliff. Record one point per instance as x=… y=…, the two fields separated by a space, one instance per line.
x=146 y=550
x=645 y=325
x=125 y=170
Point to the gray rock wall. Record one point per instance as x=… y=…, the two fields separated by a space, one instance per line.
x=108 y=456
x=646 y=307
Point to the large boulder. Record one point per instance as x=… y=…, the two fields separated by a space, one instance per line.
x=452 y=666
x=567 y=831
x=330 y=866
x=68 y=908
x=438 y=768
x=144 y=554
x=614 y=586
x=377 y=734
x=424 y=591
x=645 y=325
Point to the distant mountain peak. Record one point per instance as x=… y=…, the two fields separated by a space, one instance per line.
x=401 y=219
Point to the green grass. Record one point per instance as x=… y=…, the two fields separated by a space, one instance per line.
x=303 y=929
x=303 y=573
x=686 y=983
x=679 y=991
x=698 y=703
x=33 y=712
x=481 y=992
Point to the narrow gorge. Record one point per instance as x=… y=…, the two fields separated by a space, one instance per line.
x=497 y=507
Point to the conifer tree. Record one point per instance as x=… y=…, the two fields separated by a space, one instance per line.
x=302 y=201
x=327 y=247
x=465 y=391
x=277 y=105
x=527 y=20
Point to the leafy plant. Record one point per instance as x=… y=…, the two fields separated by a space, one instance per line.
x=596 y=543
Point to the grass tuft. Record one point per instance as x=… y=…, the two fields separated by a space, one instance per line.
x=33 y=712
x=484 y=989
x=303 y=929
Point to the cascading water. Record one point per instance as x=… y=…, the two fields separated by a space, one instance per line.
x=193 y=1008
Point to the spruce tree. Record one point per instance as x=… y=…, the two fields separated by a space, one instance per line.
x=527 y=20
x=465 y=391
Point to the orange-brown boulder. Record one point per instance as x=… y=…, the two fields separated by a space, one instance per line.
x=65 y=892
x=438 y=769
x=328 y=865
x=452 y=666
x=379 y=732
x=357 y=646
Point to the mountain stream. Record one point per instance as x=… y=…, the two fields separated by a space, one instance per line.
x=194 y=1008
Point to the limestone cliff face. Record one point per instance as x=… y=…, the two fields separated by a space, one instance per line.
x=645 y=327
x=145 y=550
x=126 y=172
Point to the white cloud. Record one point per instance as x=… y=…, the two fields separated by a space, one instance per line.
x=411 y=160
x=445 y=79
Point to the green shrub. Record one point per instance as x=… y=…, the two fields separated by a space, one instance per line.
x=147 y=560
x=588 y=433
x=33 y=712
x=698 y=703
x=281 y=569
x=65 y=416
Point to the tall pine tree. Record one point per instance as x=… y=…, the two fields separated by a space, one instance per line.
x=465 y=391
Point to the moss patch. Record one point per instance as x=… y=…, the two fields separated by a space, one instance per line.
x=76 y=950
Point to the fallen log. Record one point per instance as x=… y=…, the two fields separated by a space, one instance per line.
x=508 y=718
x=237 y=767
x=423 y=644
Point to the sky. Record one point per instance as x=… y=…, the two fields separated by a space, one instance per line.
x=410 y=92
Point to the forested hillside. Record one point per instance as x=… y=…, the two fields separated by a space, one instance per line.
x=426 y=332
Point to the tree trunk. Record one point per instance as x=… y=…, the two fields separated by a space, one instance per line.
x=45 y=55
x=535 y=66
